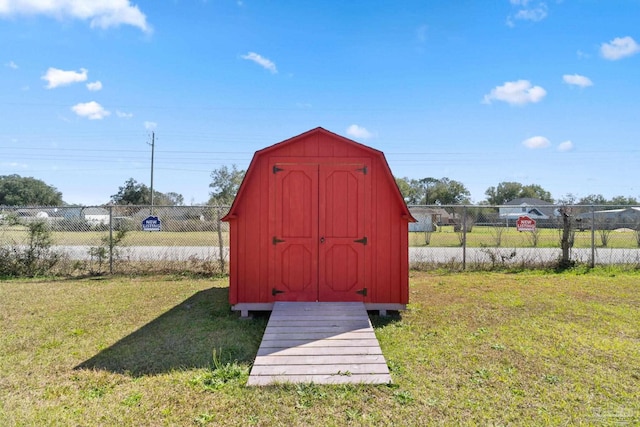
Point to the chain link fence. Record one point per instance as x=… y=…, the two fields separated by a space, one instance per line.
x=137 y=239
x=460 y=237
x=118 y=239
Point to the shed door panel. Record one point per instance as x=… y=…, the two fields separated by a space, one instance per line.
x=295 y=241
x=342 y=233
x=319 y=239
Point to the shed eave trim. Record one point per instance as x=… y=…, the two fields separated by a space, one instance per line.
x=229 y=217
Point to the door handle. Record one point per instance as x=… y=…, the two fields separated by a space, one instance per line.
x=322 y=240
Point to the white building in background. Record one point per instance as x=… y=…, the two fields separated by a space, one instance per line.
x=533 y=208
x=612 y=218
x=96 y=215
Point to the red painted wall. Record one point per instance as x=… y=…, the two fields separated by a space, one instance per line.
x=257 y=266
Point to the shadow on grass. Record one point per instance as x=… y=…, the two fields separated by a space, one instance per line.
x=382 y=321
x=184 y=338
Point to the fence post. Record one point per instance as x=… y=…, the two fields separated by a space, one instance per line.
x=220 y=239
x=464 y=237
x=593 y=236
x=110 y=239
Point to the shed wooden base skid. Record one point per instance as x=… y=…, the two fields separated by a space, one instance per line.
x=382 y=308
x=320 y=343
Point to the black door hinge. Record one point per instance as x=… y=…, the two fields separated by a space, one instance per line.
x=363 y=240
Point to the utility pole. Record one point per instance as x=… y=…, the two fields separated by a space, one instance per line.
x=153 y=145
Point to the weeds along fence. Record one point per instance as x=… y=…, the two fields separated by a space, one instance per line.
x=137 y=239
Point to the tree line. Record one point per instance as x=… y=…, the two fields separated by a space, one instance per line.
x=16 y=190
x=445 y=191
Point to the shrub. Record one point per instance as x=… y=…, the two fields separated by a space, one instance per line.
x=33 y=259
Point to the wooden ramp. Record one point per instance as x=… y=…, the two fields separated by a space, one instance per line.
x=320 y=343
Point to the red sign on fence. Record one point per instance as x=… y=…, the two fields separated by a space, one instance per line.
x=524 y=223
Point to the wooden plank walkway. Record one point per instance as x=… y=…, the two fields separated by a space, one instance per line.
x=320 y=343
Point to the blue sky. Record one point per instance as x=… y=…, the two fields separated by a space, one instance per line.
x=538 y=92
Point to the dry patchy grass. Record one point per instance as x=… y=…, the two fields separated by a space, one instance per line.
x=473 y=348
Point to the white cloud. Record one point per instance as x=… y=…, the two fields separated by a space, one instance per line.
x=94 y=86
x=619 y=48
x=535 y=14
x=565 y=146
x=12 y=65
x=356 y=131
x=536 y=142
x=91 y=110
x=150 y=125
x=519 y=92
x=56 y=77
x=577 y=80
x=265 y=63
x=123 y=115
x=528 y=11
x=100 y=13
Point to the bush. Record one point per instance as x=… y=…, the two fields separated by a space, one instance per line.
x=125 y=224
x=33 y=259
x=100 y=254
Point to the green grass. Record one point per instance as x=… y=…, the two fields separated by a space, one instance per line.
x=473 y=349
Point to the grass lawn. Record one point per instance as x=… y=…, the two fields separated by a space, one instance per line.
x=529 y=348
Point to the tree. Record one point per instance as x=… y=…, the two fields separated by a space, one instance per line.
x=567 y=237
x=225 y=185
x=624 y=201
x=135 y=193
x=26 y=191
x=427 y=184
x=507 y=191
x=567 y=199
x=449 y=192
x=535 y=191
x=173 y=199
x=600 y=200
x=504 y=192
x=132 y=193
x=432 y=191
x=593 y=199
x=408 y=190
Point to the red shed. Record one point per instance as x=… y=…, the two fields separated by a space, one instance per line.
x=318 y=217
